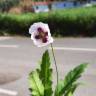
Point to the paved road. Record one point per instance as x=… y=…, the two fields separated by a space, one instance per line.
x=18 y=56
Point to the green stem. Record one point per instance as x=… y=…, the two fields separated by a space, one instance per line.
x=55 y=65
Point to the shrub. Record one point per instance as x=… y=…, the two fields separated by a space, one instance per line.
x=67 y=22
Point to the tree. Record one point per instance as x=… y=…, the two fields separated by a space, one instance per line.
x=5 y=5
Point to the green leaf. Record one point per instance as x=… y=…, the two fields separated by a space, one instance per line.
x=70 y=81
x=70 y=94
x=59 y=87
x=36 y=86
x=71 y=89
x=45 y=74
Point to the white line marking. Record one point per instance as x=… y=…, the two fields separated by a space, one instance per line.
x=9 y=46
x=4 y=38
x=74 y=49
x=8 y=92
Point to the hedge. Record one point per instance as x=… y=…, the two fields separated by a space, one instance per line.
x=67 y=22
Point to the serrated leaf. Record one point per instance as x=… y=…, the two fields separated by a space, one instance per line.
x=71 y=89
x=70 y=79
x=45 y=74
x=36 y=86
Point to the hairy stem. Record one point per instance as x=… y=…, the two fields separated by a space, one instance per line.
x=55 y=65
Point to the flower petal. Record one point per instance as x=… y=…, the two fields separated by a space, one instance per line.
x=43 y=40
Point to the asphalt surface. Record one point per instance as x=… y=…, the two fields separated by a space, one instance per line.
x=18 y=56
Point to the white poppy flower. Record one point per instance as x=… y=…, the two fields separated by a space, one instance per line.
x=40 y=34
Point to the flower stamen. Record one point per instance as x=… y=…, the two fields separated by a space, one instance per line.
x=37 y=37
x=42 y=35
x=44 y=40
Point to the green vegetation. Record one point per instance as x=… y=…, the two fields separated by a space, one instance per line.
x=5 y=5
x=41 y=82
x=68 y=22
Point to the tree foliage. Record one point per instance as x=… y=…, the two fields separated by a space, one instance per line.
x=5 y=5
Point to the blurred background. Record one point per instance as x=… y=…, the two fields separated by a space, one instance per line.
x=73 y=26
x=74 y=17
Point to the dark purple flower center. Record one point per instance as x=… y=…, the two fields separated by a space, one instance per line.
x=41 y=35
x=40 y=29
